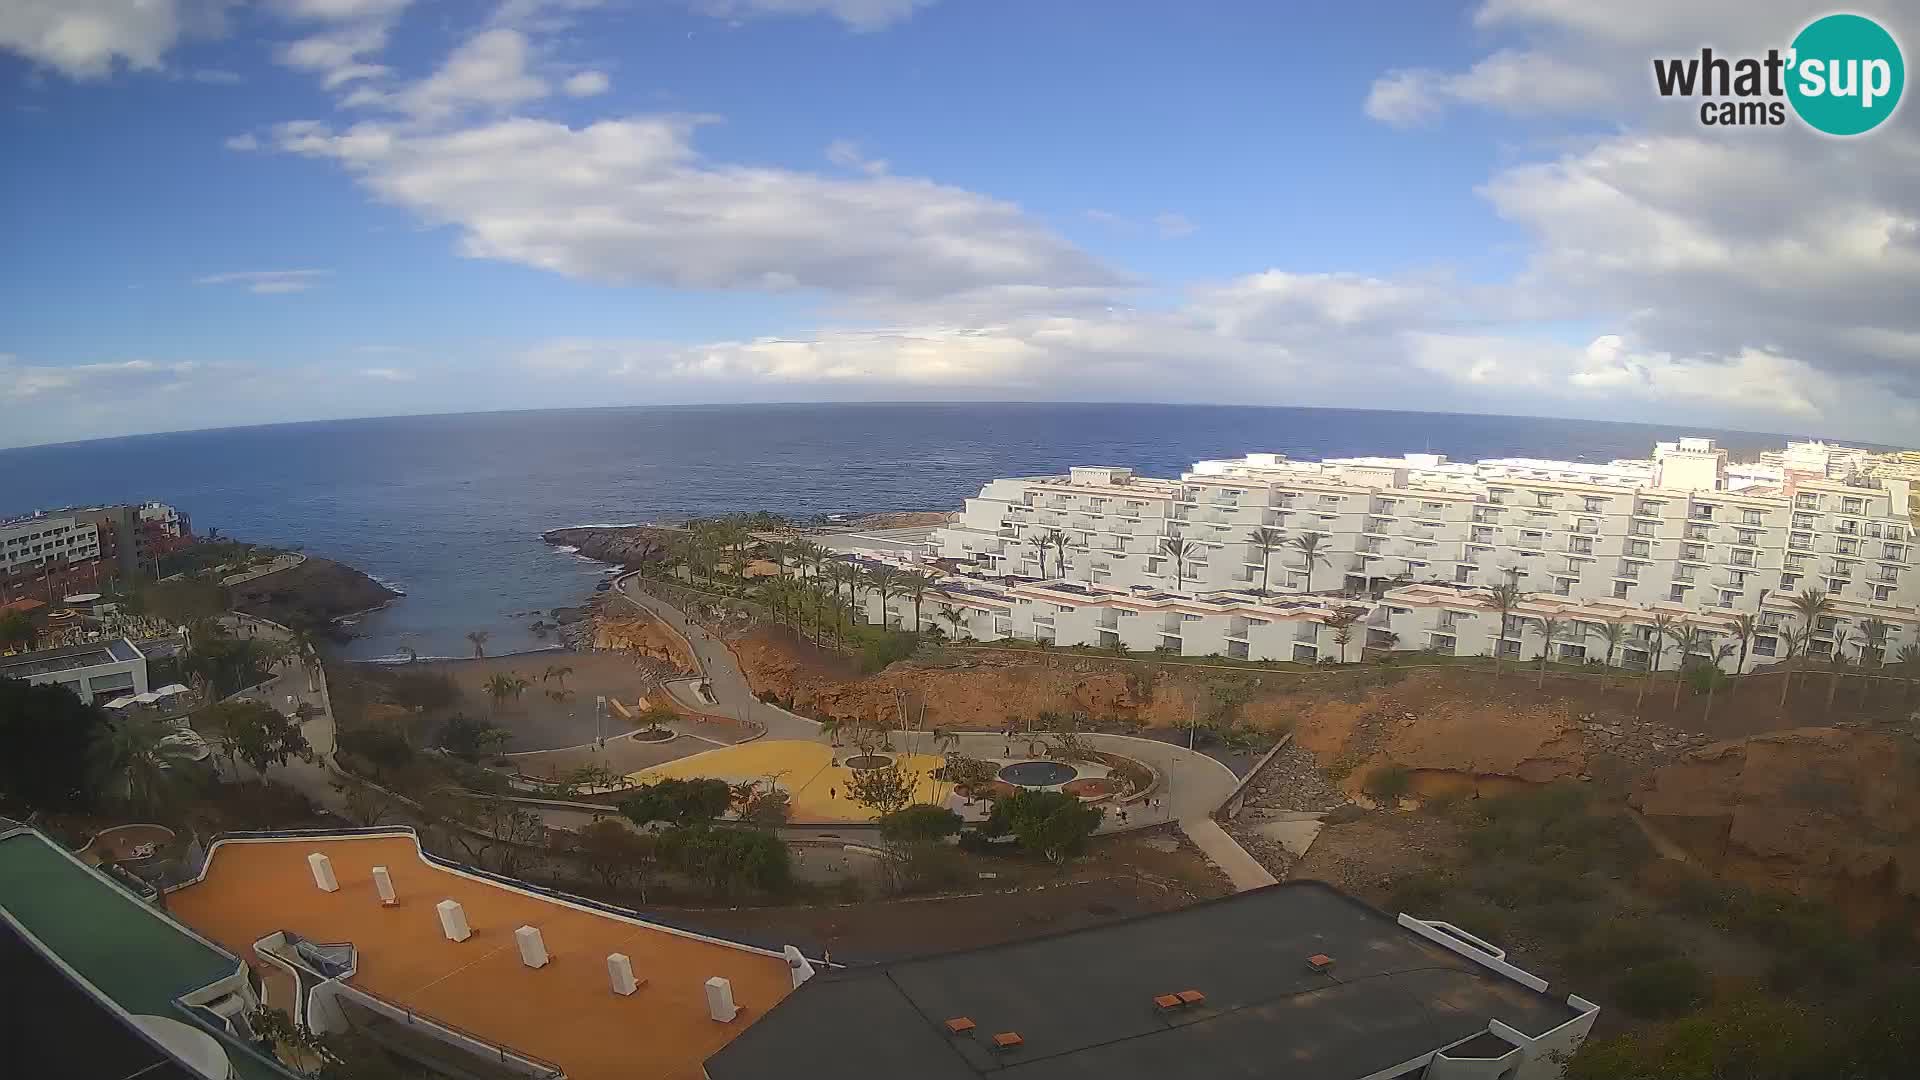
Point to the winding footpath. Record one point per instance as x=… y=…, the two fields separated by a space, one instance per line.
x=1192 y=785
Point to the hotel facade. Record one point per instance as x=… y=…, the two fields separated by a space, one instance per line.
x=1415 y=542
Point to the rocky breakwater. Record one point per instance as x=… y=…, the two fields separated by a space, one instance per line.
x=316 y=592
x=623 y=545
x=1832 y=813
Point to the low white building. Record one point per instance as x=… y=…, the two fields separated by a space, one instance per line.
x=97 y=671
x=1085 y=557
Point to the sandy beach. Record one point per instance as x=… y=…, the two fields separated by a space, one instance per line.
x=537 y=721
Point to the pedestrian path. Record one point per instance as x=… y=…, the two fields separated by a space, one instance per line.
x=1222 y=851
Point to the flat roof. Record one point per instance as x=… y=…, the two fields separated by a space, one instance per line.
x=563 y=1012
x=68 y=658
x=68 y=1031
x=1083 y=1001
x=132 y=952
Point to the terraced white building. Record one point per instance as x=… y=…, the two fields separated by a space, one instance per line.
x=1414 y=541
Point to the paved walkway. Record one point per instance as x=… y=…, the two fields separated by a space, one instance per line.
x=1220 y=849
x=306 y=687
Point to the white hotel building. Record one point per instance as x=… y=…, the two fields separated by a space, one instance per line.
x=1415 y=540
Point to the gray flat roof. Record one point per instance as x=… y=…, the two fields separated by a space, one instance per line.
x=1083 y=1001
x=68 y=658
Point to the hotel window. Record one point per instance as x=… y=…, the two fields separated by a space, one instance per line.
x=1692 y=551
x=1643 y=528
x=1895 y=552
x=1788 y=581
x=1678 y=594
x=1807 y=502
x=1594 y=504
x=1835 y=585
x=1803 y=521
x=1699 y=532
x=1752 y=517
x=1853 y=506
x=1883 y=592
x=1461 y=573
x=1800 y=541
x=1543 y=498
x=1581 y=544
x=1847 y=547
x=1639 y=548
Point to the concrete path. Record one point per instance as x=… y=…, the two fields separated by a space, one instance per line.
x=1220 y=849
x=312 y=779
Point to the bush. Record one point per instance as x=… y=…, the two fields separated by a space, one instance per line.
x=1662 y=988
x=1617 y=944
x=922 y=823
x=1701 y=677
x=384 y=750
x=1388 y=782
x=887 y=647
x=1048 y=823
x=680 y=802
x=1419 y=893
x=728 y=862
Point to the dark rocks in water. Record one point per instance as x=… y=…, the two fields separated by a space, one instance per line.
x=316 y=592
x=629 y=546
x=565 y=616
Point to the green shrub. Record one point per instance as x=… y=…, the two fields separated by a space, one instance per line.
x=1476 y=917
x=1615 y=944
x=885 y=648
x=380 y=748
x=1662 y=988
x=1388 y=782
x=1419 y=893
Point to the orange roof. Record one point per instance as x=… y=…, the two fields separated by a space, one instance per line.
x=563 y=1012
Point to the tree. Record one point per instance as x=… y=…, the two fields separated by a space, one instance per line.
x=1660 y=627
x=479 y=640
x=1505 y=596
x=763 y=805
x=1059 y=539
x=920 y=823
x=885 y=581
x=471 y=740
x=1179 y=551
x=955 y=618
x=257 y=734
x=914 y=584
x=1811 y=606
x=502 y=685
x=1686 y=640
x=1267 y=541
x=1798 y=640
x=678 y=802
x=1048 y=823
x=136 y=751
x=1310 y=546
x=1342 y=621
x=1040 y=544
x=617 y=854
x=303 y=645
x=728 y=861
x=883 y=790
x=1870 y=642
x=656 y=717
x=1550 y=627
x=969 y=774
x=1746 y=626
x=46 y=738
x=384 y=750
x=16 y=630
x=1613 y=632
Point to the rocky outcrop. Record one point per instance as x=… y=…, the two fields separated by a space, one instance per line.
x=1828 y=812
x=629 y=546
x=315 y=592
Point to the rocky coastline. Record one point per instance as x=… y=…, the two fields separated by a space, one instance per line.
x=315 y=592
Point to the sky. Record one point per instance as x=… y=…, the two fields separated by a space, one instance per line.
x=218 y=212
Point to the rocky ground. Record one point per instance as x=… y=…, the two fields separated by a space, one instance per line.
x=317 y=591
x=626 y=545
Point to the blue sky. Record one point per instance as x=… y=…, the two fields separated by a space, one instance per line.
x=226 y=212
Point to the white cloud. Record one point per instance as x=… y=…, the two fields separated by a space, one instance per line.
x=1510 y=81
x=387 y=374
x=587 y=84
x=487 y=70
x=215 y=77
x=631 y=202
x=267 y=281
x=336 y=54
x=863 y=15
x=86 y=39
x=846 y=154
x=243 y=142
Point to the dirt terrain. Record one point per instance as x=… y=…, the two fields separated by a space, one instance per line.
x=637 y=631
x=1832 y=814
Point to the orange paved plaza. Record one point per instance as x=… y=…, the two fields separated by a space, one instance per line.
x=563 y=1012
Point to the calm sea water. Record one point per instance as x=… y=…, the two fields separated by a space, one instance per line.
x=449 y=509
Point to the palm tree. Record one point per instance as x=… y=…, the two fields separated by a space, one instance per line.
x=914 y=583
x=1656 y=646
x=1836 y=664
x=1686 y=641
x=1797 y=639
x=479 y=639
x=1909 y=660
x=1342 y=621
x=1870 y=641
x=1179 y=551
x=1811 y=606
x=957 y=619
x=1613 y=632
x=885 y=580
x=1266 y=540
x=134 y=749
x=1059 y=539
x=500 y=686
x=1550 y=628
x=1713 y=683
x=844 y=573
x=1745 y=626
x=1039 y=543
x=556 y=673
x=1308 y=544
x=1506 y=596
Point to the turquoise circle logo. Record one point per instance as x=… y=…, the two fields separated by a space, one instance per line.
x=1847 y=74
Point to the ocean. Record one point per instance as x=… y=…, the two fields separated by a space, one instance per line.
x=449 y=509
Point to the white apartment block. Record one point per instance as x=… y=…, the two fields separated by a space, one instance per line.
x=1414 y=541
x=31 y=543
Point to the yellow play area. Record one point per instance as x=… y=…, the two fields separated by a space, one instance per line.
x=805 y=770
